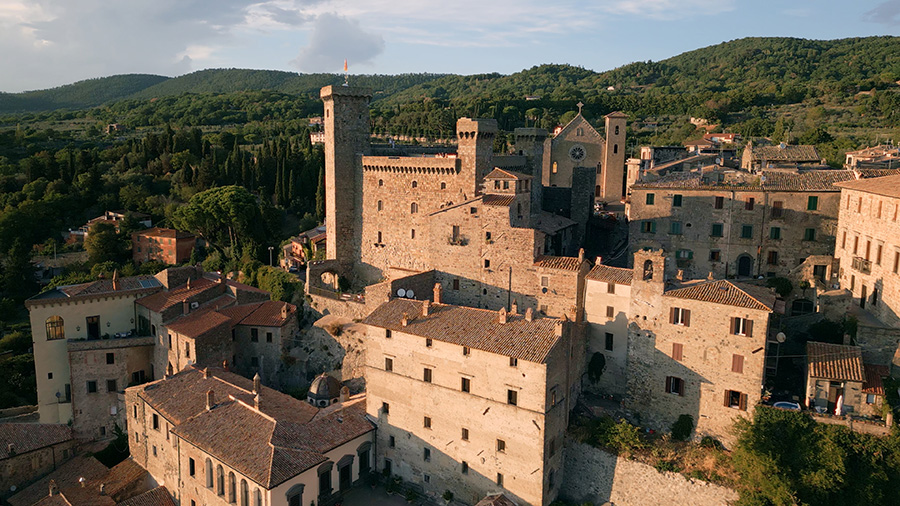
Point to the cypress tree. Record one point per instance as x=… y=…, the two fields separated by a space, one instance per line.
x=320 y=197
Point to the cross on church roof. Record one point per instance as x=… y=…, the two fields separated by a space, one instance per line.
x=579 y=105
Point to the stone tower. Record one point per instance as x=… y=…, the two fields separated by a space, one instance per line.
x=613 y=177
x=476 y=149
x=647 y=287
x=346 y=140
x=530 y=143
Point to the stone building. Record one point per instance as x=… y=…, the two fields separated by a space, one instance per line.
x=476 y=227
x=735 y=223
x=607 y=306
x=63 y=317
x=165 y=245
x=839 y=382
x=471 y=400
x=761 y=154
x=696 y=348
x=31 y=450
x=214 y=437
x=884 y=156
x=867 y=245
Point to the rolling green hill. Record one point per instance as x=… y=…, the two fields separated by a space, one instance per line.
x=88 y=93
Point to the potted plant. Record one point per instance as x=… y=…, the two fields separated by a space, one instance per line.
x=448 y=496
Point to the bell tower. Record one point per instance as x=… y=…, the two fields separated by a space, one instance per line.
x=476 y=148
x=612 y=183
x=346 y=141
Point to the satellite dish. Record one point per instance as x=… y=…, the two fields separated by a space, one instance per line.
x=780 y=337
x=401 y=292
x=410 y=294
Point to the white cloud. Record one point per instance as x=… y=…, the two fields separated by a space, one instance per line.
x=336 y=38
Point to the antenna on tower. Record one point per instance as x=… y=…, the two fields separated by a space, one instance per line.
x=346 y=75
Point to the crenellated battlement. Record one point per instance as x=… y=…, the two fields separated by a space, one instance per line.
x=412 y=165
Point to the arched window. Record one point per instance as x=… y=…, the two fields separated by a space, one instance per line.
x=245 y=494
x=415 y=184
x=381 y=182
x=232 y=488
x=617 y=130
x=220 y=480
x=443 y=186
x=615 y=148
x=257 y=498
x=413 y=208
x=295 y=495
x=648 y=270
x=364 y=452
x=209 y=474
x=55 y=328
x=555 y=168
x=380 y=205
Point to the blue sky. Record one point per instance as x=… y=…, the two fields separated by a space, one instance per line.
x=47 y=43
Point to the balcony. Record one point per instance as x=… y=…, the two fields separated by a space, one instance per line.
x=862 y=265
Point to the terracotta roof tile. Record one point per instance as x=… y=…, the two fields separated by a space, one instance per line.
x=158 y=496
x=26 y=437
x=812 y=180
x=199 y=322
x=498 y=200
x=874 y=375
x=496 y=500
x=610 y=274
x=479 y=329
x=499 y=173
x=125 y=477
x=561 y=263
x=888 y=186
x=169 y=233
x=550 y=223
x=835 y=361
x=263 y=314
x=131 y=284
x=161 y=301
x=65 y=476
x=725 y=292
x=785 y=153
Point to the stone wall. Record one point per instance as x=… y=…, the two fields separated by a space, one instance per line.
x=598 y=476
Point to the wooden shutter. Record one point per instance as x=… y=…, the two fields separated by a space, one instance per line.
x=681 y=387
x=677 y=351
x=727 y=392
x=671 y=315
x=743 y=402
x=668 y=384
x=737 y=363
x=733 y=326
x=686 y=316
x=748 y=328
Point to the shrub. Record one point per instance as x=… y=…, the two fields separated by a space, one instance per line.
x=448 y=495
x=782 y=286
x=624 y=437
x=711 y=442
x=667 y=466
x=682 y=428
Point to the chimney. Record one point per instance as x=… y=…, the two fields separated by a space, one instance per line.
x=345 y=394
x=11 y=449
x=404 y=321
x=225 y=365
x=189 y=283
x=558 y=328
x=54 y=489
x=284 y=311
x=515 y=308
x=185 y=306
x=502 y=314
x=581 y=255
x=115 y=279
x=256 y=401
x=206 y=372
x=82 y=481
x=438 y=291
x=256 y=384
x=710 y=276
x=210 y=399
x=103 y=489
x=529 y=314
x=426 y=307
x=680 y=275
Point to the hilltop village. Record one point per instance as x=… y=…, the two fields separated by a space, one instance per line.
x=470 y=325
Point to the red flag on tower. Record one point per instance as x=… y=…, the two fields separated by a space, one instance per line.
x=345 y=65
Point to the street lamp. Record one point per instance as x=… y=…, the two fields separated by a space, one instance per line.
x=270 y=255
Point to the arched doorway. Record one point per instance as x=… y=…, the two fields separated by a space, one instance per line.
x=744 y=266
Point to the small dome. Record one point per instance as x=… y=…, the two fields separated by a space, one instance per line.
x=324 y=388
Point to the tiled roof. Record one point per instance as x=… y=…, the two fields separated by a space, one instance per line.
x=888 y=186
x=785 y=153
x=725 y=292
x=169 y=233
x=610 y=274
x=835 y=361
x=123 y=478
x=204 y=319
x=270 y=444
x=161 y=301
x=700 y=142
x=496 y=500
x=872 y=173
x=499 y=173
x=498 y=200
x=550 y=223
x=262 y=314
x=812 y=180
x=135 y=284
x=874 y=375
x=65 y=476
x=561 y=263
x=26 y=437
x=479 y=329
x=158 y=496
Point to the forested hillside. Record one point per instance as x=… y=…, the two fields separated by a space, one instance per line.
x=88 y=93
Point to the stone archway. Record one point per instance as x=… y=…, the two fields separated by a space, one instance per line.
x=745 y=266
